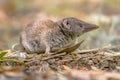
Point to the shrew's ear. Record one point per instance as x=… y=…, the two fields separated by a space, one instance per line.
x=66 y=24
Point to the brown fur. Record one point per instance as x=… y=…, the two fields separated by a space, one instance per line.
x=48 y=36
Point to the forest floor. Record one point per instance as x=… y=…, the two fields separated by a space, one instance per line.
x=95 y=64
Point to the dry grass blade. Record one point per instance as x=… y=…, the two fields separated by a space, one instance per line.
x=71 y=48
x=116 y=48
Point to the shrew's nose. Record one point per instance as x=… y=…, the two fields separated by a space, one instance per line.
x=89 y=27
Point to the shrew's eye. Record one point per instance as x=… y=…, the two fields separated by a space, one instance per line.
x=67 y=23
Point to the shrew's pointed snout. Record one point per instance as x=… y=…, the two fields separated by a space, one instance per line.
x=89 y=27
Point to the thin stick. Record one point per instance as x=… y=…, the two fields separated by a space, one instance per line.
x=54 y=56
x=99 y=49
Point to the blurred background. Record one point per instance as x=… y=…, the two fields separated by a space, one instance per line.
x=16 y=14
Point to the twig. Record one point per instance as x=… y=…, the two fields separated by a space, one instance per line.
x=98 y=49
x=53 y=56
